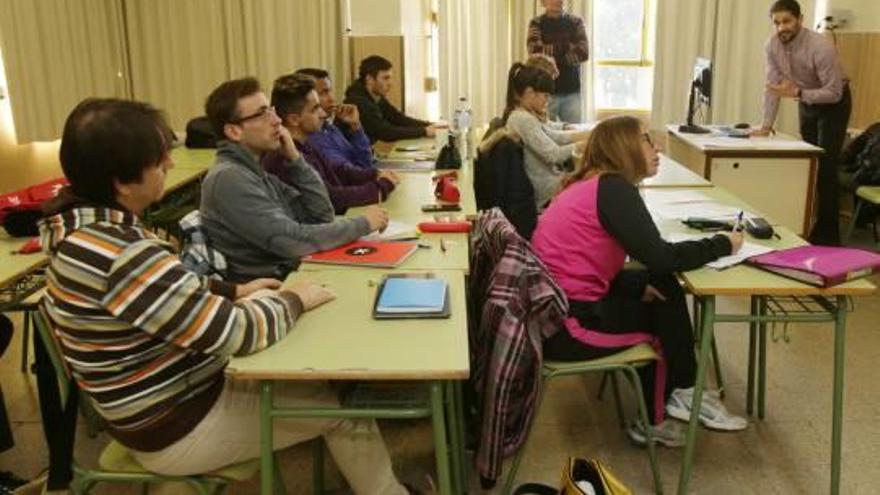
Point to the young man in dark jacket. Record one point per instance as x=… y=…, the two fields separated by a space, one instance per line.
x=381 y=121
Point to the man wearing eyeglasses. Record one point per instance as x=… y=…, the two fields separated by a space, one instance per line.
x=260 y=224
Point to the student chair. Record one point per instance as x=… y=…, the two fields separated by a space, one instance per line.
x=864 y=194
x=625 y=362
x=116 y=464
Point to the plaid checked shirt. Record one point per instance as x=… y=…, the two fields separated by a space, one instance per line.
x=515 y=305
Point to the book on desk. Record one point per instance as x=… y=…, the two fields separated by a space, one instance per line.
x=412 y=296
x=822 y=266
x=366 y=253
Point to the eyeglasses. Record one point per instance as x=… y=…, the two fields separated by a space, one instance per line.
x=263 y=112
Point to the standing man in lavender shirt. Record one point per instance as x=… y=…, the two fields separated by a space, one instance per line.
x=561 y=36
x=342 y=138
x=803 y=64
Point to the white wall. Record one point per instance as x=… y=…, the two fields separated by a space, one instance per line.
x=864 y=14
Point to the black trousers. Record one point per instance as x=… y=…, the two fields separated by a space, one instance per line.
x=824 y=125
x=624 y=313
x=6 y=440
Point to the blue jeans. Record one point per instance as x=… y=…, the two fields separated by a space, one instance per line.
x=566 y=107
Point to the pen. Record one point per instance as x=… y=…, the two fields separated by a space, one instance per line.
x=739 y=219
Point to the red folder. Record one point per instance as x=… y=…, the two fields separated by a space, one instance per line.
x=822 y=266
x=366 y=253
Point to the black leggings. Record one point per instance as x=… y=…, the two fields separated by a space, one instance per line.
x=624 y=313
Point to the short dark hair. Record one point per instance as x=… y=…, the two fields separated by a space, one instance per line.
x=373 y=65
x=221 y=107
x=107 y=139
x=314 y=72
x=289 y=93
x=522 y=77
x=786 y=6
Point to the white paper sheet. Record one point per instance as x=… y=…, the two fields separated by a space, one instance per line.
x=747 y=250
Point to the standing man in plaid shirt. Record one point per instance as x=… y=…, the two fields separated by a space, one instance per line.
x=562 y=36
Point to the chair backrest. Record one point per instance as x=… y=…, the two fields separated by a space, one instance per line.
x=500 y=180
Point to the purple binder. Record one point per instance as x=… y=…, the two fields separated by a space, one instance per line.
x=821 y=266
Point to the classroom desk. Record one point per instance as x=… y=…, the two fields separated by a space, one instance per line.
x=329 y=344
x=18 y=277
x=755 y=169
x=200 y=159
x=671 y=173
x=404 y=205
x=761 y=287
x=422 y=149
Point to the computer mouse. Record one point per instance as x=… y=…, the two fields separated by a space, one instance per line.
x=742 y=125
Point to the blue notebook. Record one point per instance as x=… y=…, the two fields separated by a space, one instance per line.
x=412 y=296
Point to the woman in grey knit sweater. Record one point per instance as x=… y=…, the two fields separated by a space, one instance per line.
x=546 y=149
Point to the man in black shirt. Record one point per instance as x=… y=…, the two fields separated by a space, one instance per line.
x=562 y=36
x=379 y=118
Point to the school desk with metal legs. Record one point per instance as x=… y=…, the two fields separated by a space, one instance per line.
x=341 y=341
x=765 y=291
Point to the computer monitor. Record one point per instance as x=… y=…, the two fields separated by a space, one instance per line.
x=700 y=93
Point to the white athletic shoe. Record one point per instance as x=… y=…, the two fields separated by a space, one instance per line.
x=713 y=414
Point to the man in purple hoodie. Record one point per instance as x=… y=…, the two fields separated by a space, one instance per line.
x=296 y=101
x=342 y=138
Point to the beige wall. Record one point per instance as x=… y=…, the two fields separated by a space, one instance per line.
x=23 y=165
x=865 y=14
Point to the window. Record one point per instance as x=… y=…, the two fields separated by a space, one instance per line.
x=624 y=54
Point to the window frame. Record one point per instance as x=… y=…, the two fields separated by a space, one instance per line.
x=645 y=59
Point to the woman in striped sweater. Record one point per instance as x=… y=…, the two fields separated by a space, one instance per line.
x=148 y=341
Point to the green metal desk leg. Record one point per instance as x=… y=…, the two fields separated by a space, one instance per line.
x=452 y=429
x=706 y=338
x=440 y=452
x=266 y=423
x=837 y=411
x=460 y=423
x=753 y=334
x=762 y=356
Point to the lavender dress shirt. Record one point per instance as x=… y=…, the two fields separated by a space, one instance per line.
x=809 y=60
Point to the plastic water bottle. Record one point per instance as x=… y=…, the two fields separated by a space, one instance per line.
x=461 y=124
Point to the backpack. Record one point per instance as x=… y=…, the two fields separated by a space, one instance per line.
x=20 y=210
x=200 y=133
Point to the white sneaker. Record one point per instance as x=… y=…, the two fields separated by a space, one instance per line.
x=713 y=414
x=668 y=433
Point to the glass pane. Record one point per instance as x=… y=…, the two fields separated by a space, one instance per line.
x=624 y=87
x=617 y=26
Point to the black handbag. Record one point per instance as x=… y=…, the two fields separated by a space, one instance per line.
x=449 y=157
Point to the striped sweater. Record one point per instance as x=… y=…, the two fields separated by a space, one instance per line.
x=145 y=339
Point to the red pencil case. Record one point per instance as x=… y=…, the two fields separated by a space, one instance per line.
x=434 y=227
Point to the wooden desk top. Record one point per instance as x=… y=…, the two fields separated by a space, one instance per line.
x=718 y=144
x=674 y=174
x=200 y=159
x=742 y=280
x=341 y=340
x=408 y=149
x=16 y=266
